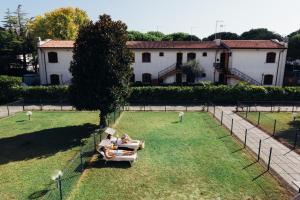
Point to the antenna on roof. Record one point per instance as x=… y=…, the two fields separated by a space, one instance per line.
x=221 y=25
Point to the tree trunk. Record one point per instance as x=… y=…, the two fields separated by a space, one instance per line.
x=103 y=123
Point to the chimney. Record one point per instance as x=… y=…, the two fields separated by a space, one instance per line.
x=218 y=42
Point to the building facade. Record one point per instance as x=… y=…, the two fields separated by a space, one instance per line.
x=259 y=62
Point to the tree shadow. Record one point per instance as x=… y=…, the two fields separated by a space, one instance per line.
x=43 y=143
x=38 y=194
x=288 y=136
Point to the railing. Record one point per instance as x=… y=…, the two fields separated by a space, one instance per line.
x=167 y=70
x=244 y=76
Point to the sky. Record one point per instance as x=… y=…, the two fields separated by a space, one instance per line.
x=192 y=16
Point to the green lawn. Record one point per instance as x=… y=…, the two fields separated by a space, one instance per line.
x=286 y=127
x=30 y=151
x=196 y=159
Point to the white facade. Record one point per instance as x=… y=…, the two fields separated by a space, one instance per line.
x=251 y=62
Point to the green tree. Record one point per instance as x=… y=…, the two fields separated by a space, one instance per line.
x=180 y=37
x=62 y=23
x=260 y=34
x=17 y=24
x=294 y=47
x=223 y=36
x=101 y=67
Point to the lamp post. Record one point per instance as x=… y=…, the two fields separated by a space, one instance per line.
x=57 y=177
x=29 y=114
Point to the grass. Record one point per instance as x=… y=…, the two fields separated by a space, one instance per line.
x=31 y=150
x=196 y=159
x=286 y=127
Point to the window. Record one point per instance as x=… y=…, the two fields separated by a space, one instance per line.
x=54 y=79
x=146 y=57
x=146 y=78
x=268 y=79
x=191 y=56
x=161 y=54
x=204 y=54
x=271 y=57
x=203 y=75
x=52 y=57
x=132 y=78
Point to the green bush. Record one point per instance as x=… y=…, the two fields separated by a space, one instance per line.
x=9 y=88
x=45 y=94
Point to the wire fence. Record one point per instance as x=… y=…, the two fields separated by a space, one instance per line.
x=285 y=128
x=61 y=186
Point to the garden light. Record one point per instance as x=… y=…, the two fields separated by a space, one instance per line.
x=180 y=115
x=29 y=113
x=56 y=175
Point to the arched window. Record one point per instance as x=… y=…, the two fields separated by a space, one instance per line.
x=191 y=56
x=146 y=57
x=54 y=79
x=268 y=79
x=52 y=57
x=204 y=54
x=146 y=78
x=271 y=57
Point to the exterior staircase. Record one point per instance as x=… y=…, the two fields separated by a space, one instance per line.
x=242 y=76
x=169 y=71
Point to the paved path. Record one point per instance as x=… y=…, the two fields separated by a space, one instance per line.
x=284 y=162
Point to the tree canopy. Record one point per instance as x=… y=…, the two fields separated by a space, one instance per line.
x=101 y=67
x=62 y=23
x=294 y=47
x=223 y=36
x=159 y=36
x=260 y=34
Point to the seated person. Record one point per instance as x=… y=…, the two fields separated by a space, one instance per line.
x=109 y=153
x=126 y=139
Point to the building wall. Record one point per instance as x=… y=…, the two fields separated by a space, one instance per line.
x=159 y=63
x=60 y=68
x=253 y=63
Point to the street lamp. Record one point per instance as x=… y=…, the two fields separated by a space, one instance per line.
x=57 y=177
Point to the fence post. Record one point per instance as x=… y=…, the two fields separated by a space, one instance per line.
x=81 y=161
x=259 y=149
x=207 y=105
x=296 y=138
x=165 y=108
x=258 y=119
x=245 y=141
x=221 y=118
x=95 y=145
x=41 y=107
x=247 y=110
x=270 y=155
x=214 y=111
x=231 y=129
x=186 y=108
x=274 y=128
x=23 y=107
x=7 y=110
x=59 y=187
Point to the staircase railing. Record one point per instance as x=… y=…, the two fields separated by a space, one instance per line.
x=243 y=76
x=167 y=70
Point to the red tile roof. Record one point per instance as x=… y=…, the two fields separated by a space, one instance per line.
x=172 y=45
x=233 y=44
x=58 y=44
x=252 y=44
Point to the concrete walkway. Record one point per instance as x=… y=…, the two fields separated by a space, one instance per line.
x=285 y=162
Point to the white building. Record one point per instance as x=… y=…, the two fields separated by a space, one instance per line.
x=259 y=62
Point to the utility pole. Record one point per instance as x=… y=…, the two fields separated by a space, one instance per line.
x=216 y=30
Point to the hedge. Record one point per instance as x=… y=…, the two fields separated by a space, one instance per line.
x=9 y=88
x=221 y=94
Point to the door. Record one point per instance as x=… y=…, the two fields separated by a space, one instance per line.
x=179 y=78
x=54 y=79
x=224 y=60
x=221 y=78
x=179 y=59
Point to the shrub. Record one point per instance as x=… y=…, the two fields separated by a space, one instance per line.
x=45 y=94
x=9 y=88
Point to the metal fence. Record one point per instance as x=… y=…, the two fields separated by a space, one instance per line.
x=62 y=186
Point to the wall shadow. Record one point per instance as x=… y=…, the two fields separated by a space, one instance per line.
x=43 y=143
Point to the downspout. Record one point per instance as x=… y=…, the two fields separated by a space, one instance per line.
x=278 y=67
x=45 y=66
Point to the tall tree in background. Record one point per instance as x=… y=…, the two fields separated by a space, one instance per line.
x=294 y=47
x=62 y=23
x=180 y=37
x=101 y=67
x=223 y=36
x=260 y=34
x=17 y=25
